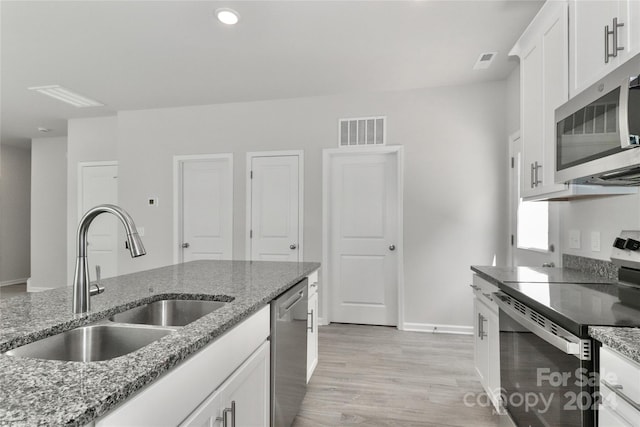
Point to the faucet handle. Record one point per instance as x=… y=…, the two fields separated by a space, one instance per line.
x=96 y=289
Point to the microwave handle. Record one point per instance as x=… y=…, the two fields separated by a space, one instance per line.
x=623 y=116
x=563 y=344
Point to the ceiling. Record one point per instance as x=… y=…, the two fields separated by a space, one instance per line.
x=156 y=54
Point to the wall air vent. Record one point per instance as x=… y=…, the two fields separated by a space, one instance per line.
x=362 y=131
x=485 y=60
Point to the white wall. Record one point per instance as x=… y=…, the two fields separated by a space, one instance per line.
x=606 y=215
x=15 y=184
x=48 y=212
x=88 y=140
x=455 y=179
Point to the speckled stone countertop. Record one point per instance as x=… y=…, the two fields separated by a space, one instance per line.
x=497 y=275
x=49 y=392
x=624 y=340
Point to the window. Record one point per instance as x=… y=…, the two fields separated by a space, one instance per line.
x=533 y=225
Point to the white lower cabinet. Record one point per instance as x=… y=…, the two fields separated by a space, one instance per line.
x=487 y=339
x=234 y=367
x=242 y=400
x=312 y=325
x=619 y=390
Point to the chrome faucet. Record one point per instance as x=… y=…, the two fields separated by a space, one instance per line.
x=81 y=282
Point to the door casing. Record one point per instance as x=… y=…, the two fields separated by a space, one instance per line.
x=327 y=156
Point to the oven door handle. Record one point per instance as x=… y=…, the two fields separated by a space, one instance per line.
x=562 y=343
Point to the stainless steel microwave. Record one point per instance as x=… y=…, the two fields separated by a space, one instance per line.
x=598 y=131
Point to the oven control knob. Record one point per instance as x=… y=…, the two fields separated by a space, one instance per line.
x=632 y=245
x=619 y=243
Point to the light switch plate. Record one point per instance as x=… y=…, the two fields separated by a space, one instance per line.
x=574 y=239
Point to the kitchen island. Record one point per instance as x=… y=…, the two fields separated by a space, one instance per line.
x=49 y=392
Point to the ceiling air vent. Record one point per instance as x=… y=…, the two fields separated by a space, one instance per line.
x=362 y=131
x=485 y=60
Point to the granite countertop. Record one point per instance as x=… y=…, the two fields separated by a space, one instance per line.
x=520 y=274
x=624 y=340
x=49 y=392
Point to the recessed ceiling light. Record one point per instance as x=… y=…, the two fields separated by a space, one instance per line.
x=65 y=95
x=227 y=16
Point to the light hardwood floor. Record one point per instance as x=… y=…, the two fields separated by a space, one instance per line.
x=379 y=376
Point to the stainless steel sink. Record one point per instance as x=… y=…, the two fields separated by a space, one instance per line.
x=92 y=343
x=170 y=312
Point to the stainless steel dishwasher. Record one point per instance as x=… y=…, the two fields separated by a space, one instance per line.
x=288 y=354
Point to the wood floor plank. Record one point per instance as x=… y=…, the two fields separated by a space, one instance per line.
x=379 y=376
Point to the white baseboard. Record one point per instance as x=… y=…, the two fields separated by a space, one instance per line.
x=37 y=289
x=437 y=329
x=13 y=282
x=322 y=321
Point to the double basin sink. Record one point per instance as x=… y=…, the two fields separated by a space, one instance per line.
x=122 y=333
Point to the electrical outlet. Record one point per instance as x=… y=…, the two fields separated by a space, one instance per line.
x=595 y=241
x=574 y=239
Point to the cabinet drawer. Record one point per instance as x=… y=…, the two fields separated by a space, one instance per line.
x=484 y=291
x=620 y=372
x=313 y=283
x=614 y=411
x=608 y=418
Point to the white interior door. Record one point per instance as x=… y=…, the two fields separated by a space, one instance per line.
x=99 y=185
x=206 y=188
x=275 y=222
x=363 y=233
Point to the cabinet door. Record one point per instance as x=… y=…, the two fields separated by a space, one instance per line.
x=531 y=123
x=243 y=398
x=543 y=52
x=312 y=335
x=588 y=21
x=481 y=343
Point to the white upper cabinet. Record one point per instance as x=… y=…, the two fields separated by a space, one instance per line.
x=543 y=51
x=603 y=34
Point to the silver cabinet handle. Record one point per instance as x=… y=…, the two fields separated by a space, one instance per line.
x=606 y=44
x=475 y=288
x=481 y=320
x=185 y=245
x=293 y=246
x=310 y=328
x=533 y=180
x=392 y=247
x=488 y=296
x=616 y=48
x=538 y=180
x=614 y=34
x=226 y=411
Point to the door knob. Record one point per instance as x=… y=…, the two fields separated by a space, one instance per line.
x=392 y=247
x=185 y=245
x=293 y=246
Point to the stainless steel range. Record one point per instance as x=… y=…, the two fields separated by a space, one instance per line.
x=548 y=361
